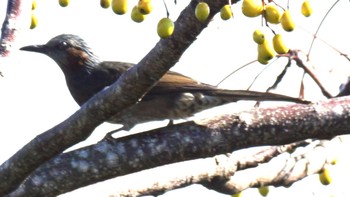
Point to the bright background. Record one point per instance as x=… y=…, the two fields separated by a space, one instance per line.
x=34 y=96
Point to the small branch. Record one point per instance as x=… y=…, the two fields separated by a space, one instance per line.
x=280 y=76
x=282 y=170
x=301 y=64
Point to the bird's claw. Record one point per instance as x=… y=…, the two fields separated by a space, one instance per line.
x=109 y=136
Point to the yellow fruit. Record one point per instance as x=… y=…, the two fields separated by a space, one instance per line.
x=325 y=177
x=136 y=15
x=287 y=22
x=306 y=9
x=272 y=14
x=165 y=28
x=264 y=190
x=34 y=22
x=202 y=11
x=226 y=12
x=120 y=6
x=252 y=8
x=63 y=3
x=105 y=3
x=279 y=45
x=145 y=6
x=239 y=194
x=262 y=60
x=33 y=4
x=333 y=161
x=265 y=52
x=258 y=37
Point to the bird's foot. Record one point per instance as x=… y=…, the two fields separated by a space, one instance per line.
x=109 y=136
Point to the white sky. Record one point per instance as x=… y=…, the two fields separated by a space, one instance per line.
x=34 y=96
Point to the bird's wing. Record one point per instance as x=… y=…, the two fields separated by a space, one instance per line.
x=120 y=67
x=173 y=82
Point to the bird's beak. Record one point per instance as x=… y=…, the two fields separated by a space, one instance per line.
x=35 y=48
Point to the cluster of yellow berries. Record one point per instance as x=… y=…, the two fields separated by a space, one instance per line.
x=250 y=8
x=202 y=12
x=34 y=19
x=273 y=15
x=165 y=27
x=138 y=13
x=265 y=51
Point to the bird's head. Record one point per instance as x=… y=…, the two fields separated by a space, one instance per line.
x=70 y=52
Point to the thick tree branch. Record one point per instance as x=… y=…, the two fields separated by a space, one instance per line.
x=223 y=134
x=125 y=92
x=17 y=13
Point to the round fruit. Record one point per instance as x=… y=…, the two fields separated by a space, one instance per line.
x=287 y=22
x=136 y=15
x=120 y=6
x=34 y=22
x=226 y=12
x=258 y=37
x=325 y=177
x=165 y=28
x=105 y=3
x=252 y=8
x=202 y=11
x=145 y=6
x=279 y=45
x=63 y=3
x=306 y=9
x=264 y=190
x=272 y=14
x=33 y=4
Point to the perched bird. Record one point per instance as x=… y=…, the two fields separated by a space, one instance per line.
x=174 y=97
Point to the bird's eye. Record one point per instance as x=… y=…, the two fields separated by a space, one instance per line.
x=63 y=45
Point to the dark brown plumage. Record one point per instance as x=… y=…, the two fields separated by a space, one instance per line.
x=175 y=96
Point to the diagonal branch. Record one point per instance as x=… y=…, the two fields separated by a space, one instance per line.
x=187 y=141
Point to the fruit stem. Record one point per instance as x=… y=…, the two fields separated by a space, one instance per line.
x=166 y=8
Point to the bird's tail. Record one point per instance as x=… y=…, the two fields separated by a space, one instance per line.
x=237 y=95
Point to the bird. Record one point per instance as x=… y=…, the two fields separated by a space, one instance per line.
x=175 y=96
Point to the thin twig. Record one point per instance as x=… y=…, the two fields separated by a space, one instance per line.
x=318 y=28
